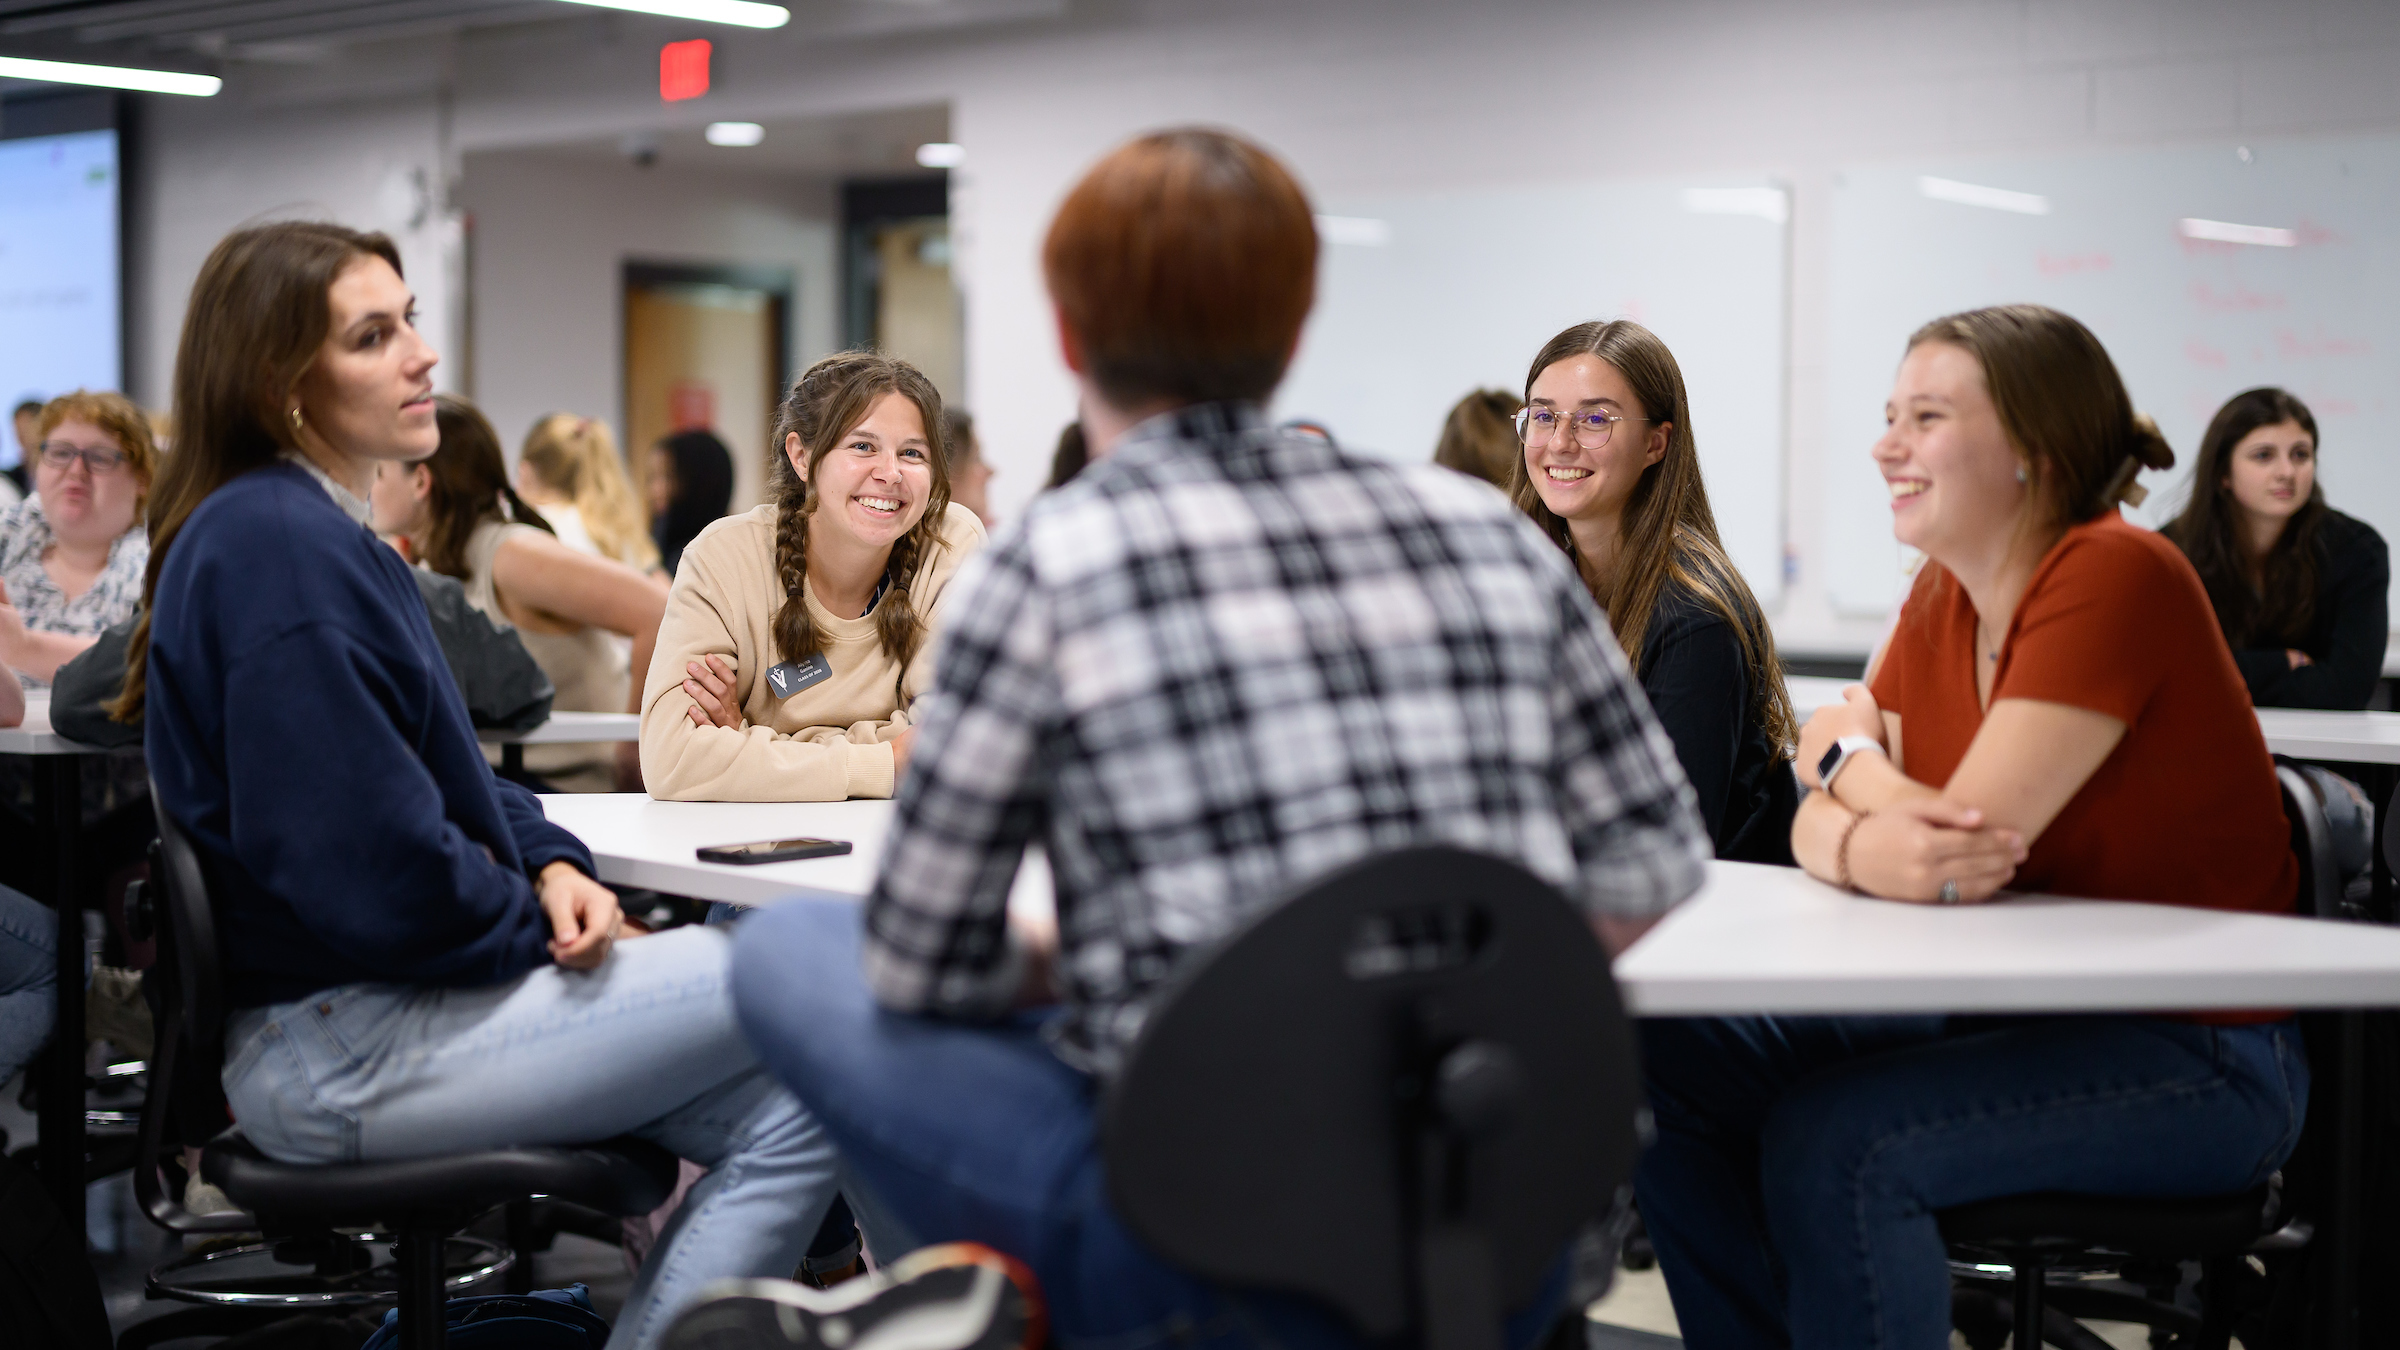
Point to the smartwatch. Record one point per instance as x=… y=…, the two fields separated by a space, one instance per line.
x=1840 y=755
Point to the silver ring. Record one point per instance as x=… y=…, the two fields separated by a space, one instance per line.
x=1949 y=893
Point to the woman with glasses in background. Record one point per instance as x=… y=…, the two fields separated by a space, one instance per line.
x=1611 y=473
x=72 y=555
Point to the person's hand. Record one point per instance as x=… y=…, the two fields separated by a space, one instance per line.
x=629 y=766
x=12 y=630
x=901 y=744
x=1856 y=715
x=2297 y=658
x=1906 y=851
x=583 y=914
x=710 y=683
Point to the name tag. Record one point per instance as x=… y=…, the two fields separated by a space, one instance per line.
x=788 y=678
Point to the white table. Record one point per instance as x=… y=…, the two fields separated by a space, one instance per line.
x=562 y=728
x=1756 y=939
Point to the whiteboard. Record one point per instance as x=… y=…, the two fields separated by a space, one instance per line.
x=58 y=269
x=1421 y=298
x=2190 y=316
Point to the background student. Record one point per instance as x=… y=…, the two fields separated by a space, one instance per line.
x=73 y=553
x=1479 y=437
x=461 y=518
x=970 y=472
x=799 y=633
x=1609 y=469
x=2299 y=588
x=2103 y=747
x=570 y=471
x=691 y=486
x=416 y=962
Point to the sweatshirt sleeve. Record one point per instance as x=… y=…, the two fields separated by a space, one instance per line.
x=539 y=842
x=358 y=842
x=2356 y=590
x=687 y=763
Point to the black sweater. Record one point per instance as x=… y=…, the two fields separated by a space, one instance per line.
x=2345 y=638
x=1699 y=686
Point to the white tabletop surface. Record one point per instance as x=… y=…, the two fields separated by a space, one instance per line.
x=33 y=736
x=570 y=728
x=2335 y=737
x=1755 y=940
x=637 y=841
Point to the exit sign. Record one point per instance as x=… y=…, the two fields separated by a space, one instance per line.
x=683 y=70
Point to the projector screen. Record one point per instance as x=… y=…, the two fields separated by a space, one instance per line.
x=59 y=314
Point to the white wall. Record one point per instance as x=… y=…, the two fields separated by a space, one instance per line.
x=548 y=235
x=1366 y=96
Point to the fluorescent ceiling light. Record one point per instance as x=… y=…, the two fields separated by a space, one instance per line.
x=1361 y=230
x=941 y=155
x=1975 y=194
x=2223 y=232
x=743 y=13
x=735 y=133
x=1766 y=203
x=110 y=77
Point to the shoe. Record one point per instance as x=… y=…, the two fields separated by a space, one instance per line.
x=956 y=1296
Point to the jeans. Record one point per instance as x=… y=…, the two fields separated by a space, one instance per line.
x=953 y=1132
x=28 y=979
x=1800 y=1162
x=644 y=1045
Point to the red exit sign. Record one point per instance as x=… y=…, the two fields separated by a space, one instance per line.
x=683 y=70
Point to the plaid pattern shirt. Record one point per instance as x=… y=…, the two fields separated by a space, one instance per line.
x=1226 y=660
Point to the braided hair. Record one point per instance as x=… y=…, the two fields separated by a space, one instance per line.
x=825 y=404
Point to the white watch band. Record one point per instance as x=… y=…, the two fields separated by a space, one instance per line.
x=1851 y=747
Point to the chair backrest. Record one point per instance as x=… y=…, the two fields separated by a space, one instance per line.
x=2312 y=846
x=188 y=1044
x=1402 y=1092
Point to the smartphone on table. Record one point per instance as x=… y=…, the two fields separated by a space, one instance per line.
x=773 y=851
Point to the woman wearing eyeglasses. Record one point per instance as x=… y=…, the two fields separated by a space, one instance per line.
x=1610 y=472
x=72 y=555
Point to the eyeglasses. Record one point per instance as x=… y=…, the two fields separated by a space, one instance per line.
x=100 y=459
x=1537 y=427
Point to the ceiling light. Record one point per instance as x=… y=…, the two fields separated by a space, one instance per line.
x=745 y=13
x=941 y=154
x=2225 y=232
x=1365 y=231
x=735 y=133
x=1766 y=203
x=111 y=77
x=1975 y=194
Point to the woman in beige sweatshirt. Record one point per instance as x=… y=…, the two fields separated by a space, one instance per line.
x=798 y=633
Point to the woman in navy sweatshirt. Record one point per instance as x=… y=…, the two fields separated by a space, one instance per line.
x=417 y=962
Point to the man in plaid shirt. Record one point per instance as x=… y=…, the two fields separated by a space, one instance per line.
x=1219 y=664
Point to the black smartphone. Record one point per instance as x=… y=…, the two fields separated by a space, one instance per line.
x=773 y=850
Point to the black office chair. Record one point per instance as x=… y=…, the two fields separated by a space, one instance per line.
x=308 y=1262
x=1402 y=1093
x=2020 y=1240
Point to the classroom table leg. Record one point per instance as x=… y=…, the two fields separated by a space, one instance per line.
x=58 y=800
x=2344 y=1242
x=512 y=759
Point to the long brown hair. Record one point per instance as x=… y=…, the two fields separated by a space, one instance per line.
x=259 y=312
x=2063 y=406
x=1668 y=533
x=470 y=484
x=825 y=404
x=2278 y=608
x=577 y=457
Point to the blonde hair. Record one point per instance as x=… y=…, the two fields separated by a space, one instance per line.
x=577 y=458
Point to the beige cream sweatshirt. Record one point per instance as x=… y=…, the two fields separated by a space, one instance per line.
x=825 y=742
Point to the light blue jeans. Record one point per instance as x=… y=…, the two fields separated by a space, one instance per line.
x=28 y=979
x=644 y=1045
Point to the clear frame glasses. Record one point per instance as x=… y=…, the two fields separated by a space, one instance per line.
x=100 y=459
x=1537 y=427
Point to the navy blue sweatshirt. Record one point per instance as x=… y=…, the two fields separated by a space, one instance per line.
x=304 y=728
